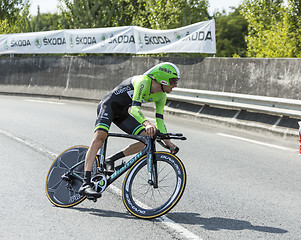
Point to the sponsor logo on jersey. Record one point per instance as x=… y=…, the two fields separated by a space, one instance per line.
x=122 y=90
x=140 y=90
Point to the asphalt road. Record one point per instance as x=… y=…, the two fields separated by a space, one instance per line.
x=241 y=185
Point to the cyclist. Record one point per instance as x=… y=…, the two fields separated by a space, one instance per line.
x=152 y=86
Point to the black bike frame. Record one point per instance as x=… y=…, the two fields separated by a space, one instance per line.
x=150 y=148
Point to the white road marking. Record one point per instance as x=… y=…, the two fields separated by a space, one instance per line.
x=28 y=144
x=165 y=220
x=257 y=142
x=40 y=101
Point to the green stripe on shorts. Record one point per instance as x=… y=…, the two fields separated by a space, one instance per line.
x=138 y=129
x=102 y=126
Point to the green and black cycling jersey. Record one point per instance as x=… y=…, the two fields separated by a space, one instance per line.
x=131 y=93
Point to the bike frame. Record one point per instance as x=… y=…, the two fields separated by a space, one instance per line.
x=150 y=148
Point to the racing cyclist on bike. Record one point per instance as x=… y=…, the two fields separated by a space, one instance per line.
x=152 y=86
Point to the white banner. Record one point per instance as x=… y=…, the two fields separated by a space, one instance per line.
x=195 y=38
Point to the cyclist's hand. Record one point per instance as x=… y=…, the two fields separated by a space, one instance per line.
x=150 y=129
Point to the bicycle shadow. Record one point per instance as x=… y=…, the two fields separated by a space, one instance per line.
x=217 y=223
x=105 y=213
x=211 y=224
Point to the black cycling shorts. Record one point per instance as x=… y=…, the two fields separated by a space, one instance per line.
x=109 y=111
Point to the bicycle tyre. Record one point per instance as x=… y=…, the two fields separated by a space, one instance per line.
x=144 y=201
x=62 y=193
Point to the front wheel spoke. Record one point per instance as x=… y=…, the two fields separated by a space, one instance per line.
x=143 y=178
x=165 y=176
x=142 y=186
x=143 y=192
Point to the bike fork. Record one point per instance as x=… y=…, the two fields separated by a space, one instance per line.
x=152 y=166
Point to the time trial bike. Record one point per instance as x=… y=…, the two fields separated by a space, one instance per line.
x=153 y=185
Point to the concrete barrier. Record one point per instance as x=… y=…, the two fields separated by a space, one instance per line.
x=74 y=75
x=263 y=77
x=91 y=77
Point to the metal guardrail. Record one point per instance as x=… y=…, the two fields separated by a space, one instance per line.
x=261 y=104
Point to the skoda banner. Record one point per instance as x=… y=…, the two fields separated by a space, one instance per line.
x=195 y=38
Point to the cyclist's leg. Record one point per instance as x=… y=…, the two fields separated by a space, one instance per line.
x=102 y=126
x=135 y=147
x=131 y=126
x=97 y=142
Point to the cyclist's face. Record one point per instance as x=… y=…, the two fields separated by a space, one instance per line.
x=168 y=89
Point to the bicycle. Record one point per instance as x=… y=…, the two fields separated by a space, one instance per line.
x=154 y=183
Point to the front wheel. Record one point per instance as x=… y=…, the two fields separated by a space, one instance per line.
x=142 y=199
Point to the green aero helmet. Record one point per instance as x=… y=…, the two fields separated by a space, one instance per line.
x=165 y=73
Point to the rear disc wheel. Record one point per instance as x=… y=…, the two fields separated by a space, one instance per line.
x=63 y=192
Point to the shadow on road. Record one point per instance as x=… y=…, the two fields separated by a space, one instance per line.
x=216 y=223
x=105 y=213
x=212 y=224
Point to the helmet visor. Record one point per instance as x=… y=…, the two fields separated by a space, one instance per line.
x=174 y=81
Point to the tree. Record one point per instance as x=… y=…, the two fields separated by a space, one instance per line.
x=168 y=14
x=294 y=14
x=272 y=31
x=131 y=13
x=231 y=31
x=89 y=13
x=45 y=22
x=157 y=14
x=11 y=9
x=13 y=15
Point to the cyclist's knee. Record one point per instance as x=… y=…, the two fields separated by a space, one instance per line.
x=99 y=137
x=140 y=146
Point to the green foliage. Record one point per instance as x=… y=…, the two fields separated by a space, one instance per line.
x=14 y=16
x=131 y=13
x=102 y=13
x=5 y=27
x=168 y=14
x=10 y=10
x=156 y=14
x=230 y=33
x=45 y=22
x=87 y=13
x=274 y=30
x=294 y=15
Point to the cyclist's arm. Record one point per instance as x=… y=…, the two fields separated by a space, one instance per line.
x=140 y=89
x=159 y=114
x=160 y=122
